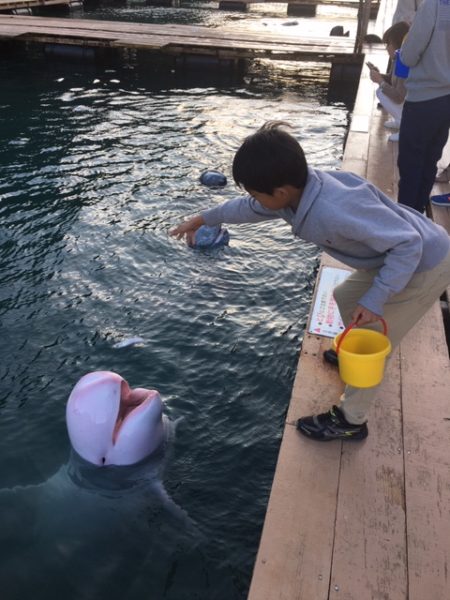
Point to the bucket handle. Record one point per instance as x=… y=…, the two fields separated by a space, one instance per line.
x=354 y=324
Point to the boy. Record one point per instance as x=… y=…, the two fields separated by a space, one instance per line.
x=402 y=259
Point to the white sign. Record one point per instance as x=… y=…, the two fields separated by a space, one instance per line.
x=325 y=317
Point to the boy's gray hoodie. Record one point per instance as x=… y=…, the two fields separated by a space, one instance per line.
x=426 y=51
x=356 y=223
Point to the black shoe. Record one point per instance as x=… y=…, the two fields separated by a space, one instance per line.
x=331 y=425
x=330 y=356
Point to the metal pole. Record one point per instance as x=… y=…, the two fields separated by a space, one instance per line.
x=363 y=23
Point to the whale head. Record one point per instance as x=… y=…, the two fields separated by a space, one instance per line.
x=111 y=424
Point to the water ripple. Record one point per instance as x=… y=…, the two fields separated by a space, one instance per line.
x=93 y=174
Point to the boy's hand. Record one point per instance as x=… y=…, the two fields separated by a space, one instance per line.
x=364 y=316
x=188 y=229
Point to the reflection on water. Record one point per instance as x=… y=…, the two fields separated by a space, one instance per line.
x=96 y=165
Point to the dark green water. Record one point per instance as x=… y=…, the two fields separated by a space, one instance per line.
x=96 y=164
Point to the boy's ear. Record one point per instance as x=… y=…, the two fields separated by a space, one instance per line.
x=282 y=192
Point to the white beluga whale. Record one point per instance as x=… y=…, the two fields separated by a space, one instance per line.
x=111 y=424
x=102 y=526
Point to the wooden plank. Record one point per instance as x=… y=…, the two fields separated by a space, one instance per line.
x=178 y=45
x=174 y=39
x=324 y=44
x=13 y=4
x=8 y=32
x=369 y=557
x=158 y=29
x=361 y=127
x=294 y=557
x=426 y=411
x=356 y=151
x=441 y=215
x=291 y=564
x=382 y=158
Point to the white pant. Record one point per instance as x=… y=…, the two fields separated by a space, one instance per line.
x=401 y=312
x=393 y=108
x=444 y=161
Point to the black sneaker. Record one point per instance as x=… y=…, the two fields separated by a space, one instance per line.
x=331 y=425
x=330 y=356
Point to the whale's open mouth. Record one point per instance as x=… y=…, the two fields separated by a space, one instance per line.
x=111 y=424
x=130 y=402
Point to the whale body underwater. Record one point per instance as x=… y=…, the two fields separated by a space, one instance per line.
x=103 y=525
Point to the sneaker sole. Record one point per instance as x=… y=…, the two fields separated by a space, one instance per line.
x=351 y=438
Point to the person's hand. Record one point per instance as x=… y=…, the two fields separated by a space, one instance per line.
x=363 y=316
x=376 y=76
x=188 y=229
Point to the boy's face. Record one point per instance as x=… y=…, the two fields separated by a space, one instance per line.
x=281 y=197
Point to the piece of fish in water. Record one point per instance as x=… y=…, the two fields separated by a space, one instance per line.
x=129 y=342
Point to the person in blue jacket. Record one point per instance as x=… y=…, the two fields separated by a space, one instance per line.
x=401 y=258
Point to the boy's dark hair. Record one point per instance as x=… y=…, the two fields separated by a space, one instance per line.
x=268 y=159
x=395 y=34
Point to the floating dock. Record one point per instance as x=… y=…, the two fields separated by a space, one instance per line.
x=300 y=7
x=176 y=39
x=367 y=520
x=188 y=44
x=21 y=6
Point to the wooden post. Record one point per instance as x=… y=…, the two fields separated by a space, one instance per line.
x=299 y=9
x=363 y=22
x=233 y=5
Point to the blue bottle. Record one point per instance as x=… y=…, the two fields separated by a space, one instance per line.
x=401 y=70
x=213 y=179
x=211 y=237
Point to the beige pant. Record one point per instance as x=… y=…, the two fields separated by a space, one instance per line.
x=401 y=313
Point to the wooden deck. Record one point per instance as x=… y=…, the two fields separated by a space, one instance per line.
x=370 y=520
x=175 y=39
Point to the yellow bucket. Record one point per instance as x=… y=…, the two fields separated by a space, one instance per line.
x=362 y=354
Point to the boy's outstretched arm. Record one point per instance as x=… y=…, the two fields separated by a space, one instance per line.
x=188 y=229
